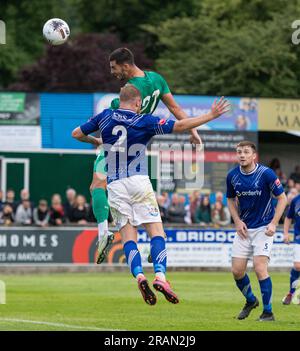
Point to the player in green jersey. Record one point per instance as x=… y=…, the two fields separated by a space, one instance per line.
x=153 y=88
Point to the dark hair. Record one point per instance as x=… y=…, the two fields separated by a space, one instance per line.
x=247 y=143
x=122 y=55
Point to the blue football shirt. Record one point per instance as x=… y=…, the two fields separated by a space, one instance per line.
x=255 y=192
x=294 y=213
x=125 y=136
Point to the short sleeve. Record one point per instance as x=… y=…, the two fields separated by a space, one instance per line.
x=164 y=86
x=230 y=192
x=291 y=211
x=274 y=183
x=156 y=125
x=92 y=125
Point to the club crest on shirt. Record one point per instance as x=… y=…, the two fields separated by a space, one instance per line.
x=277 y=182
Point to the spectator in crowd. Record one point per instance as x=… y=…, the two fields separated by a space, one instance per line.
x=219 y=196
x=176 y=211
x=167 y=199
x=297 y=186
x=188 y=216
x=194 y=204
x=203 y=213
x=276 y=167
x=70 y=202
x=1 y=200
x=79 y=213
x=25 y=195
x=7 y=215
x=57 y=214
x=24 y=213
x=296 y=174
x=289 y=185
x=161 y=200
x=41 y=214
x=10 y=199
x=220 y=215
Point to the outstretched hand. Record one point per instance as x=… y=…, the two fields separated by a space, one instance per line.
x=220 y=107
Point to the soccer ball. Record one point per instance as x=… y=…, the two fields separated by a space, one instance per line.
x=56 y=31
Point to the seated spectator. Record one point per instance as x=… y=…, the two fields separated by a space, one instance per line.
x=161 y=200
x=79 y=212
x=7 y=215
x=1 y=200
x=194 y=204
x=296 y=174
x=41 y=214
x=25 y=195
x=188 y=215
x=203 y=213
x=219 y=196
x=24 y=213
x=220 y=214
x=70 y=202
x=176 y=211
x=57 y=214
x=10 y=199
x=289 y=185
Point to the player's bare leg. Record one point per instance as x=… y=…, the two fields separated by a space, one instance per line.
x=260 y=264
x=239 y=266
x=101 y=210
x=159 y=257
x=133 y=257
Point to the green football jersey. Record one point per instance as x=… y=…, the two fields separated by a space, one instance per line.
x=152 y=87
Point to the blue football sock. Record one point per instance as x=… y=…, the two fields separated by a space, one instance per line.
x=133 y=258
x=294 y=276
x=245 y=287
x=159 y=254
x=266 y=293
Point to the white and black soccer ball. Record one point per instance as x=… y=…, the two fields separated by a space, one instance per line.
x=56 y=31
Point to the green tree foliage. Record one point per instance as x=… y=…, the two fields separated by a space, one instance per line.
x=24 y=21
x=232 y=47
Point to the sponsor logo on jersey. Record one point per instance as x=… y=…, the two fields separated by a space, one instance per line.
x=277 y=182
x=249 y=193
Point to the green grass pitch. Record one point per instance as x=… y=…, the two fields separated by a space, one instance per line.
x=112 y=301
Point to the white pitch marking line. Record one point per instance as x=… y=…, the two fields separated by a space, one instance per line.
x=55 y=324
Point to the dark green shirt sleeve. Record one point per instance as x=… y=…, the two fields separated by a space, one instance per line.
x=164 y=86
x=115 y=104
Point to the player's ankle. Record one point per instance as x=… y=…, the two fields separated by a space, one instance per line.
x=140 y=276
x=160 y=276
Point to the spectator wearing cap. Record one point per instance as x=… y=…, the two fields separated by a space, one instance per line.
x=41 y=214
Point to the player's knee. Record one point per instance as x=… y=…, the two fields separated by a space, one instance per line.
x=237 y=272
x=261 y=271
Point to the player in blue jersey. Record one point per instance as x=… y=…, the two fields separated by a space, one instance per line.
x=250 y=190
x=125 y=134
x=293 y=214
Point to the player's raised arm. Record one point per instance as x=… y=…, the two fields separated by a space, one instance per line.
x=177 y=111
x=218 y=108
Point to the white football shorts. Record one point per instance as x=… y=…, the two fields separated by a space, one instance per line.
x=133 y=200
x=257 y=244
x=296 y=250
